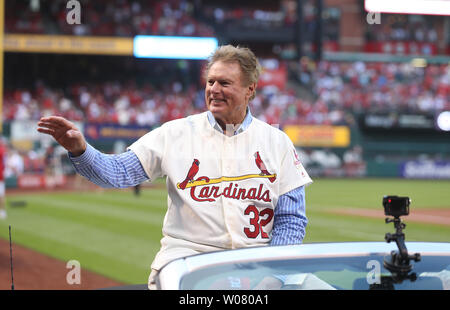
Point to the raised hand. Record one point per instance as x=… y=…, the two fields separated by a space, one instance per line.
x=64 y=132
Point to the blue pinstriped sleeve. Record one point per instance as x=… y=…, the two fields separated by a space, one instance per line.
x=120 y=171
x=290 y=218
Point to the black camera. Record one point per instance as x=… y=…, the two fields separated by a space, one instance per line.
x=396 y=206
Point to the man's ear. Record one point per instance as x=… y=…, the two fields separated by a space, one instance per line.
x=251 y=89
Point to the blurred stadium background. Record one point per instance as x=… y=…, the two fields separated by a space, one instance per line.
x=366 y=102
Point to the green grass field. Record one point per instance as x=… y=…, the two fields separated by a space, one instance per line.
x=117 y=234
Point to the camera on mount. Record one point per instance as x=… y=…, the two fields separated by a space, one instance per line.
x=396 y=206
x=399 y=261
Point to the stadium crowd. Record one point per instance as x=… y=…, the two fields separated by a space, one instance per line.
x=106 y=18
x=129 y=18
x=395 y=27
x=338 y=88
x=168 y=17
x=332 y=91
x=278 y=14
x=187 y=17
x=359 y=86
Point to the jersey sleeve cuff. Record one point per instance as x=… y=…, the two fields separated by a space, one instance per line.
x=305 y=182
x=85 y=159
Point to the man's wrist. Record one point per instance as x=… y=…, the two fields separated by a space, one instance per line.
x=85 y=158
x=77 y=153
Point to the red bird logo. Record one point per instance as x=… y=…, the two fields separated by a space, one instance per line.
x=262 y=167
x=191 y=173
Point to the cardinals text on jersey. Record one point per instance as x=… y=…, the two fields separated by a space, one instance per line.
x=209 y=192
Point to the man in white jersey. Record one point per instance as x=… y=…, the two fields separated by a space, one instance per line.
x=233 y=181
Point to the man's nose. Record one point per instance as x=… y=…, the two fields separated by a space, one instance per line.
x=215 y=87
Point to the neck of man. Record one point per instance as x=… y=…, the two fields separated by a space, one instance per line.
x=229 y=127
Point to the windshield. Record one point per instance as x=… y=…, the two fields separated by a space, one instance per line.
x=341 y=273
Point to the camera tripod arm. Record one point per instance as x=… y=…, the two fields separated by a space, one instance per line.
x=403 y=251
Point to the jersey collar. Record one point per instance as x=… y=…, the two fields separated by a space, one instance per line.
x=247 y=120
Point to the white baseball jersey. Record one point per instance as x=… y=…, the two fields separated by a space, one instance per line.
x=222 y=191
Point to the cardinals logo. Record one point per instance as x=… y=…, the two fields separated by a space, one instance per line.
x=210 y=193
x=263 y=168
x=191 y=174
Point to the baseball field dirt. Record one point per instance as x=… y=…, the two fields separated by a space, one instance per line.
x=431 y=216
x=34 y=271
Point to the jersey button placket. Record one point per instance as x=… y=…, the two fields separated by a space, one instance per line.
x=226 y=205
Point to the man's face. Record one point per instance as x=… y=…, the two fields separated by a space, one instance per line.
x=226 y=96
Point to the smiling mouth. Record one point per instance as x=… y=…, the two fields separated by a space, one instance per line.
x=216 y=101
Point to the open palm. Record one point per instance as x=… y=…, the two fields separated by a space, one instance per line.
x=64 y=132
